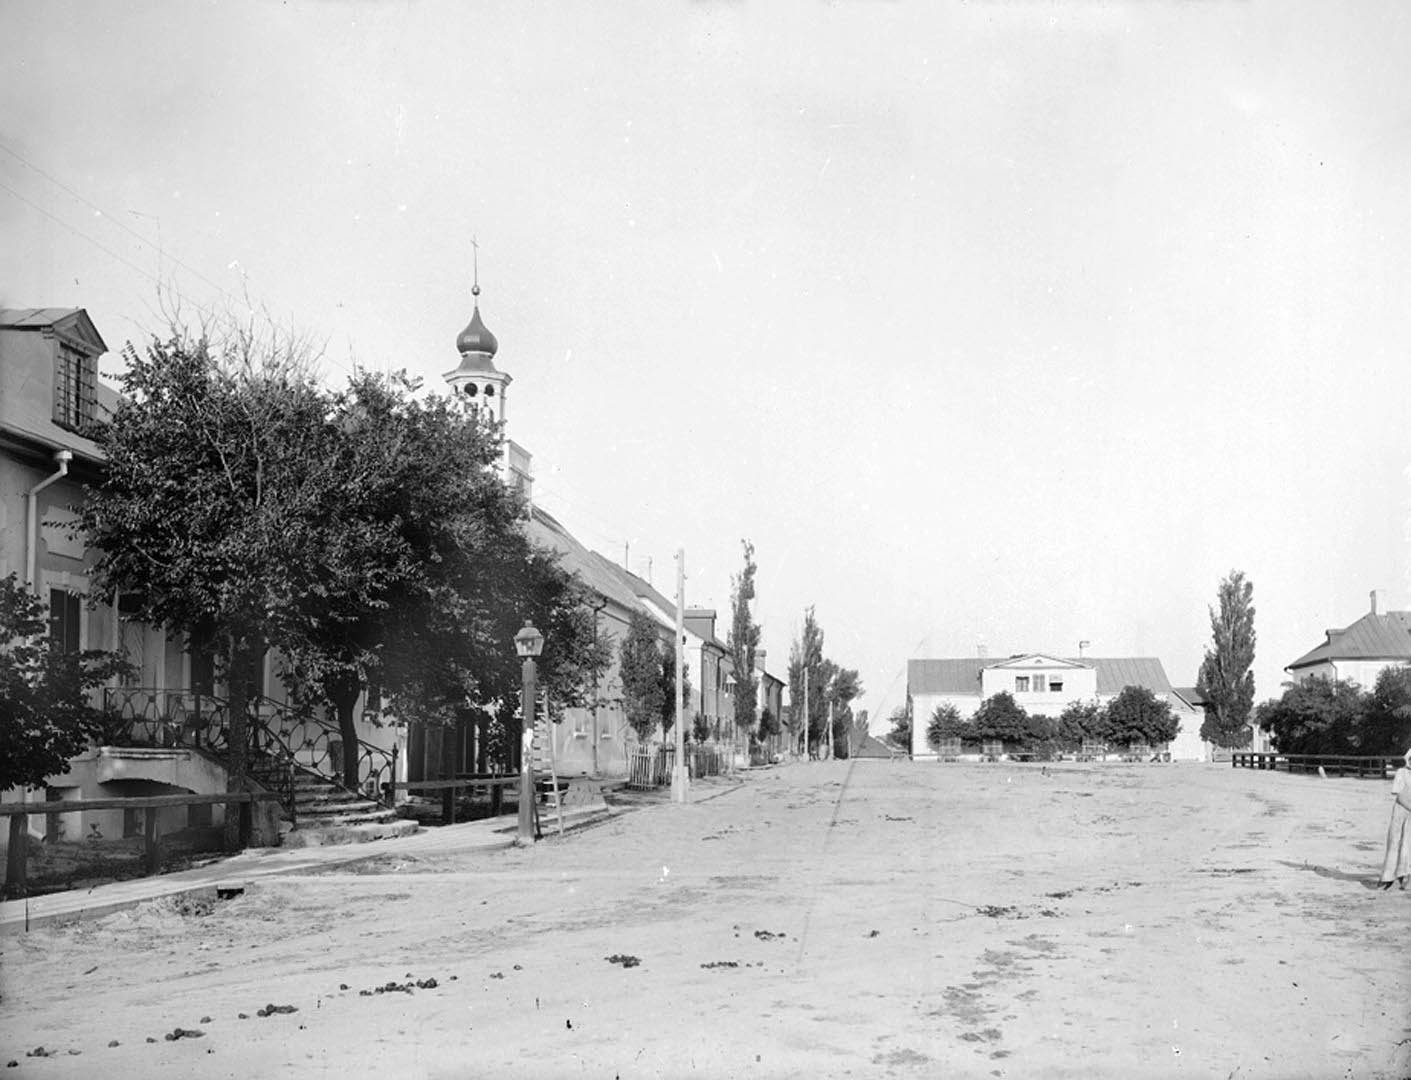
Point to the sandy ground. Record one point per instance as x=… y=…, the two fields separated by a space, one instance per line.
x=875 y=919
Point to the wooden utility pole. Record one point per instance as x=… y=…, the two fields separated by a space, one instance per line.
x=679 y=774
x=805 y=703
x=832 y=739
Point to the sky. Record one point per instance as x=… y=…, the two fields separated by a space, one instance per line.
x=1020 y=323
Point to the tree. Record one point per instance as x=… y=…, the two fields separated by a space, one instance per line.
x=666 y=676
x=640 y=664
x=1225 y=677
x=945 y=723
x=844 y=686
x=768 y=723
x=45 y=715
x=211 y=511
x=743 y=640
x=1080 y=722
x=1316 y=716
x=1136 y=716
x=806 y=670
x=1388 y=721
x=1000 y=717
x=900 y=721
x=364 y=534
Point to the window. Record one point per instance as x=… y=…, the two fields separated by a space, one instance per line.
x=64 y=614
x=471 y=389
x=1055 y=684
x=1038 y=684
x=75 y=388
x=489 y=391
x=1021 y=684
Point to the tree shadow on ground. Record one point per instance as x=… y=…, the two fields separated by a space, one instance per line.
x=1369 y=883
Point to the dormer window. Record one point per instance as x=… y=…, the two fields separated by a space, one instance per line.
x=75 y=388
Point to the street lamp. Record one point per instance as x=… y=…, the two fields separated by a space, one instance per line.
x=528 y=643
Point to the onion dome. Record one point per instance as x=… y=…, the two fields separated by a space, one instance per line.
x=475 y=338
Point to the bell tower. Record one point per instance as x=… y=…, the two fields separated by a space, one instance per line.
x=477 y=384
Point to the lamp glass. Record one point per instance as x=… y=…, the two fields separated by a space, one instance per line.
x=528 y=642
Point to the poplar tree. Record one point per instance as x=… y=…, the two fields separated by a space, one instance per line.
x=1225 y=677
x=743 y=640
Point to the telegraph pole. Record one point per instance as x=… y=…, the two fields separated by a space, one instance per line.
x=832 y=738
x=679 y=774
x=805 y=704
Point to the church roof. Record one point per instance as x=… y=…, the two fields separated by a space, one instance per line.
x=475 y=338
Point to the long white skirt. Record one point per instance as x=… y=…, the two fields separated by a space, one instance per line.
x=1397 y=862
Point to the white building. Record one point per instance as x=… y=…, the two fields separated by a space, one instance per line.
x=1359 y=652
x=1042 y=685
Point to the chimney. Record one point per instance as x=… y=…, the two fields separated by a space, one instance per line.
x=759 y=660
x=982 y=650
x=1374 y=601
x=1082 y=645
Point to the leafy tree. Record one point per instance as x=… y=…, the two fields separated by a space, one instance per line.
x=806 y=656
x=1316 y=716
x=844 y=686
x=45 y=716
x=743 y=640
x=900 y=721
x=1000 y=717
x=640 y=664
x=1388 y=721
x=212 y=509
x=666 y=676
x=1080 y=722
x=769 y=725
x=1136 y=716
x=1225 y=677
x=365 y=534
x=945 y=723
x=1041 y=737
x=700 y=727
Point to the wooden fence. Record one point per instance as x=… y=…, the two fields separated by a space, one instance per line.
x=650 y=767
x=17 y=872
x=1338 y=764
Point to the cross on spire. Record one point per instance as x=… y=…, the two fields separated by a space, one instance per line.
x=475 y=256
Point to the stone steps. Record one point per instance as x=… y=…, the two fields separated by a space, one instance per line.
x=328 y=814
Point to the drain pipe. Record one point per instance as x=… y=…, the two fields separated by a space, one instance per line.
x=62 y=459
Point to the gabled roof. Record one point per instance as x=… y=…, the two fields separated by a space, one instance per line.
x=869 y=746
x=72 y=324
x=1372 y=637
x=962 y=675
x=1029 y=660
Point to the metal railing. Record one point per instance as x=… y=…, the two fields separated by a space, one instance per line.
x=282 y=737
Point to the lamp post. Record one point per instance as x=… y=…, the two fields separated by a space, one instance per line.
x=528 y=643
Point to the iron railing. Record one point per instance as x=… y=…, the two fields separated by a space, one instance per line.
x=282 y=738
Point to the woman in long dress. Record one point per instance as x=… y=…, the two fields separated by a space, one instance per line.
x=1396 y=865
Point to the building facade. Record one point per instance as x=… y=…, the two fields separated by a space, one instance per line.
x=1042 y=685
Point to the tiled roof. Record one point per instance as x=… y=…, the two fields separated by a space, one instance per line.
x=1372 y=637
x=962 y=676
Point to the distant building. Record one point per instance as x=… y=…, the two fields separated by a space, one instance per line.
x=1359 y=652
x=1042 y=685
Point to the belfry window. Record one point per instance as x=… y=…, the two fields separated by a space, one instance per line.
x=471 y=389
x=489 y=391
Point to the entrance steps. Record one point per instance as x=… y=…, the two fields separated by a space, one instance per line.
x=326 y=813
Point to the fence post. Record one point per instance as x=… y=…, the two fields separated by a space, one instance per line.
x=151 y=850
x=17 y=861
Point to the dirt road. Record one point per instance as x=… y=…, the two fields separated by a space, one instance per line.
x=819 y=920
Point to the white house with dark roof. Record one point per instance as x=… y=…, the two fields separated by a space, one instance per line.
x=1043 y=685
x=1361 y=651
